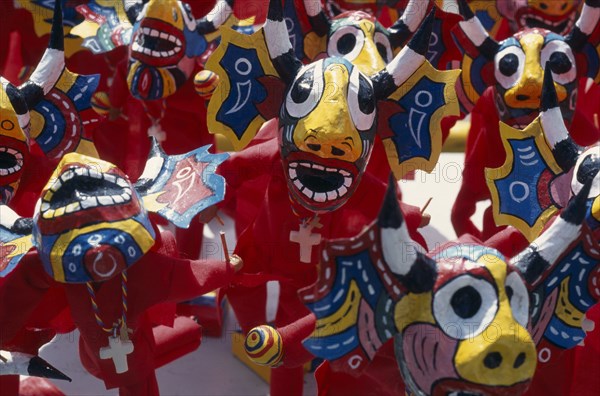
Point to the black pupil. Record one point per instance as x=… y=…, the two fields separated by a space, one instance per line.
x=509 y=292
x=466 y=302
x=7 y=160
x=588 y=169
x=382 y=51
x=509 y=64
x=560 y=63
x=302 y=87
x=366 y=102
x=346 y=43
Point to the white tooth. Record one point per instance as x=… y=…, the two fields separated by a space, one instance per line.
x=105 y=201
x=305 y=164
x=293 y=165
x=320 y=197
x=2 y=149
x=292 y=173
x=331 y=170
x=331 y=195
x=347 y=182
x=135 y=46
x=56 y=185
x=122 y=182
x=342 y=191
x=12 y=170
x=319 y=167
x=156 y=54
x=45 y=206
x=344 y=173
x=11 y=151
x=298 y=185
x=171 y=53
x=164 y=35
x=19 y=156
x=80 y=172
x=154 y=33
x=126 y=197
x=308 y=193
x=146 y=30
x=118 y=199
x=127 y=191
x=90 y=202
x=172 y=38
x=3 y=172
x=67 y=176
x=73 y=207
x=147 y=51
x=95 y=174
x=110 y=178
x=178 y=42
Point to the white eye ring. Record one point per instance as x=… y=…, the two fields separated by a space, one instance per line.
x=382 y=39
x=511 y=80
x=456 y=294
x=519 y=301
x=300 y=110
x=576 y=186
x=362 y=121
x=359 y=36
x=557 y=46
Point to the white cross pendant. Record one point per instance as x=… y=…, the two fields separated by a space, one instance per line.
x=306 y=239
x=117 y=350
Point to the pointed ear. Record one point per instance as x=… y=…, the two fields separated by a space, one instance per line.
x=246 y=74
x=178 y=187
x=15 y=239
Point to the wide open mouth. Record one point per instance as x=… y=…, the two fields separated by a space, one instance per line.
x=157 y=43
x=321 y=183
x=11 y=161
x=79 y=189
x=533 y=19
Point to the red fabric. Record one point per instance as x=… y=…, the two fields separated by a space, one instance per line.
x=484 y=150
x=266 y=248
x=174 y=342
x=157 y=278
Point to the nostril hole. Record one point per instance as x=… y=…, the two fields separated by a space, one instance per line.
x=563 y=7
x=543 y=6
x=314 y=147
x=337 y=152
x=522 y=97
x=492 y=360
x=519 y=360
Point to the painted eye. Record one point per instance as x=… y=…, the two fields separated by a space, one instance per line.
x=509 y=65
x=383 y=46
x=306 y=91
x=361 y=101
x=518 y=296
x=587 y=168
x=465 y=306
x=346 y=42
x=562 y=61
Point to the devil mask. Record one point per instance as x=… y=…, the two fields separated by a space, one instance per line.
x=166 y=40
x=518 y=64
x=460 y=317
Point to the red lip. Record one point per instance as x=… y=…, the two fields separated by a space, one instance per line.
x=157 y=43
x=320 y=184
x=446 y=387
x=530 y=17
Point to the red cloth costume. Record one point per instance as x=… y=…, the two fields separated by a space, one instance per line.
x=270 y=255
x=484 y=150
x=157 y=278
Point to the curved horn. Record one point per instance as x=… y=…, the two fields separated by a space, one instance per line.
x=405 y=257
x=48 y=71
x=585 y=25
x=316 y=16
x=475 y=31
x=408 y=23
x=278 y=43
x=133 y=9
x=216 y=17
x=565 y=151
x=548 y=248
x=406 y=62
x=18 y=103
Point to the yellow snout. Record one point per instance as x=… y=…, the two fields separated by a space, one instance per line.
x=502 y=355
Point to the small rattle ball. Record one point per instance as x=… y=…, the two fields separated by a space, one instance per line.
x=101 y=103
x=263 y=346
x=205 y=83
